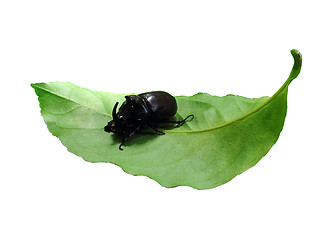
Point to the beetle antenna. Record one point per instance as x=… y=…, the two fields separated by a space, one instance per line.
x=115 y=117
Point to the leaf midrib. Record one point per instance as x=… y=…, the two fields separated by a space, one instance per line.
x=237 y=119
x=171 y=131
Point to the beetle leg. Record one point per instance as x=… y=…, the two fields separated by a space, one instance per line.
x=181 y=122
x=130 y=134
x=120 y=148
x=155 y=129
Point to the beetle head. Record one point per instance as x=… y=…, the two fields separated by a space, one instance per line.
x=118 y=124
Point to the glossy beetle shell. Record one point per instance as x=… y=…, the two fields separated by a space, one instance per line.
x=160 y=104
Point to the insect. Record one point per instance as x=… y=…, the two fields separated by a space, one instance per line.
x=151 y=108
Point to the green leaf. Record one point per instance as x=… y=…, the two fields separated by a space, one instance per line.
x=228 y=135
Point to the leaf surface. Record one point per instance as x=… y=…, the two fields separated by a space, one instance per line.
x=228 y=135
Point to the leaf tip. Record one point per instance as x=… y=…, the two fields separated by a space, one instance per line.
x=297 y=64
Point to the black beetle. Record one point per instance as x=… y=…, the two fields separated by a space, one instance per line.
x=149 y=108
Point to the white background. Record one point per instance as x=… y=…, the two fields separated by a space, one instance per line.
x=183 y=47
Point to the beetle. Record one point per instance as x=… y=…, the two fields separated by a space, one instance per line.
x=150 y=108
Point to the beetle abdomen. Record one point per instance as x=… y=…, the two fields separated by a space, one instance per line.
x=161 y=104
